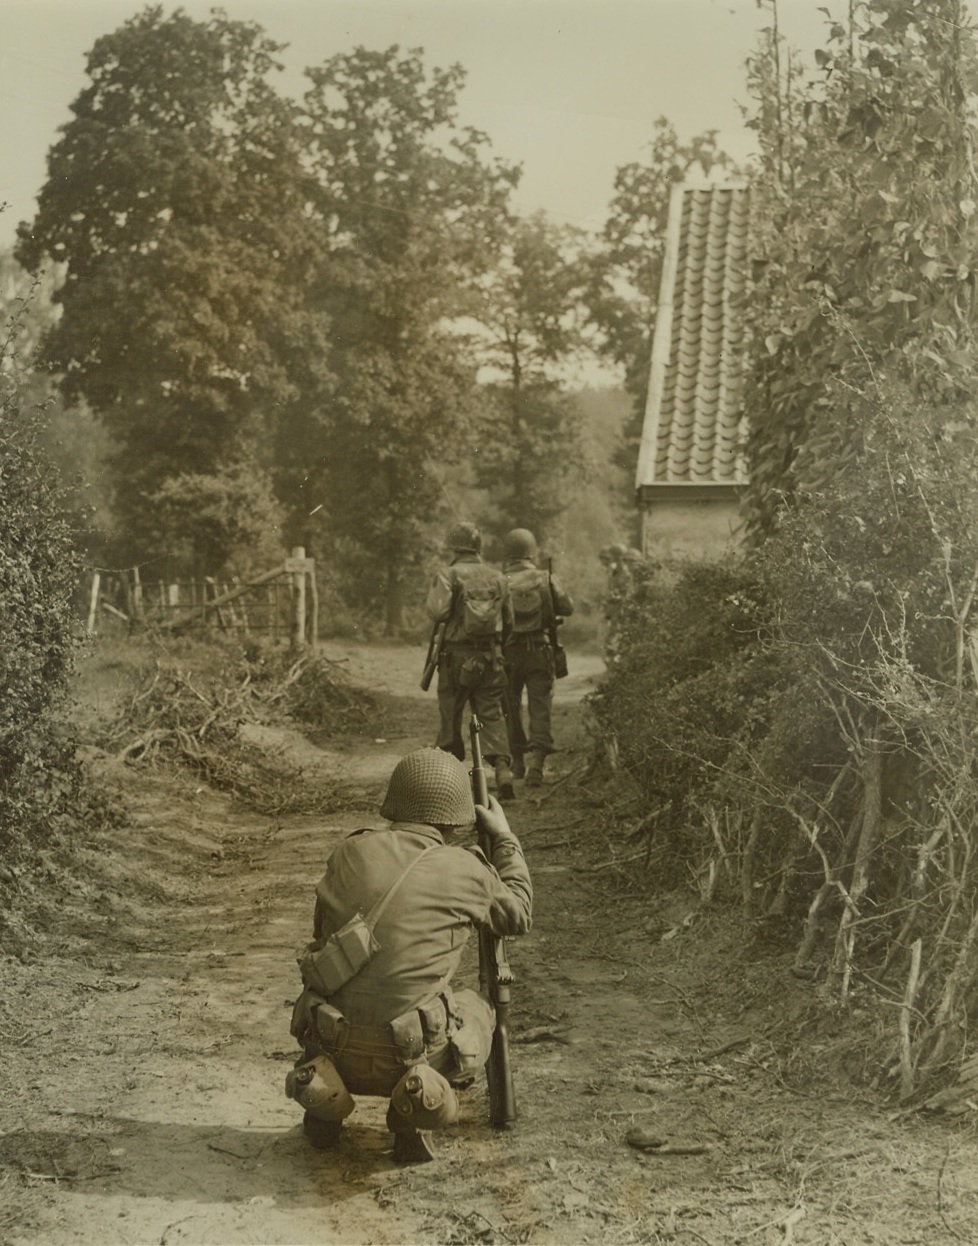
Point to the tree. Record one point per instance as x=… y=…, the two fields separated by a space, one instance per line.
x=176 y=199
x=530 y=314
x=625 y=273
x=410 y=205
x=866 y=226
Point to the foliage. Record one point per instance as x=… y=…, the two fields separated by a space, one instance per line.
x=529 y=315
x=878 y=149
x=410 y=204
x=684 y=691
x=838 y=742
x=204 y=517
x=175 y=200
x=68 y=435
x=43 y=795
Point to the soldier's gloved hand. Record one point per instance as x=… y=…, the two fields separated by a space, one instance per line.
x=493 y=821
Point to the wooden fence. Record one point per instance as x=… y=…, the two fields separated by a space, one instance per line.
x=281 y=603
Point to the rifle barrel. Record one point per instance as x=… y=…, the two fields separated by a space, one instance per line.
x=495 y=974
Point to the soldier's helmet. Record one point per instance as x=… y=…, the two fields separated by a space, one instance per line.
x=520 y=543
x=464 y=538
x=429 y=786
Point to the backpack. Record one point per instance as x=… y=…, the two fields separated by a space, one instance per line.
x=528 y=591
x=481 y=602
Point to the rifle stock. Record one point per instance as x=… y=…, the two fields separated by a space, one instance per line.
x=431 y=661
x=559 y=652
x=495 y=975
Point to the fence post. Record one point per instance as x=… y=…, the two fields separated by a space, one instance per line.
x=314 y=603
x=298 y=596
x=137 y=598
x=93 y=601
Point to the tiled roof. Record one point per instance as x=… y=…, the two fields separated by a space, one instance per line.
x=693 y=417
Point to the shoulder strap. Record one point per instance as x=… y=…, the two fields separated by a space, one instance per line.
x=372 y=917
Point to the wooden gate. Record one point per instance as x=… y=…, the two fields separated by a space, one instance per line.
x=282 y=603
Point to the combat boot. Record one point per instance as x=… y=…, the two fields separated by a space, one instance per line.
x=411 y=1146
x=534 y=770
x=504 y=781
x=323 y=1135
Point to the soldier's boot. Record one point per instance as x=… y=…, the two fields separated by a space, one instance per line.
x=323 y=1135
x=504 y=781
x=519 y=766
x=411 y=1146
x=534 y=769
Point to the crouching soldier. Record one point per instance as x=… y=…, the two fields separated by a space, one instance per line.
x=394 y=910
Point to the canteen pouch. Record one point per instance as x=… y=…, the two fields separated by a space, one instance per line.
x=328 y=968
x=560 y=661
x=318 y=1088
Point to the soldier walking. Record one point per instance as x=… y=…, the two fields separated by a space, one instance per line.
x=537 y=600
x=470 y=600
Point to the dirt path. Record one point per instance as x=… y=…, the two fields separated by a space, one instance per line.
x=144 y=1058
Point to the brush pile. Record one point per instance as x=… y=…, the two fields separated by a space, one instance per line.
x=196 y=718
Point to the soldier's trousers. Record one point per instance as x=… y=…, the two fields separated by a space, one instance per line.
x=529 y=666
x=475 y=679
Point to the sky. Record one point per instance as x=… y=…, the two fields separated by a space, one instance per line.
x=570 y=89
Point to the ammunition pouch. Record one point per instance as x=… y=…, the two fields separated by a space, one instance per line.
x=302 y=1026
x=332 y=1028
x=474 y=670
x=407 y=1037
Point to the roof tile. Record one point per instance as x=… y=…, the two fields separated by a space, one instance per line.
x=693 y=420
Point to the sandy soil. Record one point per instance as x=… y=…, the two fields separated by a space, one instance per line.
x=144 y=1055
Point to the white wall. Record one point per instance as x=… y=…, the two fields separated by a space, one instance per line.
x=678 y=529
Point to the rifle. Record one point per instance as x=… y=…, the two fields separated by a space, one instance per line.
x=434 y=649
x=495 y=975
x=559 y=652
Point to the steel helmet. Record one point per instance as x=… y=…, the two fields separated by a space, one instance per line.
x=520 y=543
x=465 y=537
x=429 y=786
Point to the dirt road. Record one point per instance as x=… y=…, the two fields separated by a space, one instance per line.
x=145 y=1054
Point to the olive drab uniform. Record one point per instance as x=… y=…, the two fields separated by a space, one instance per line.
x=537 y=600
x=472 y=600
x=401 y=1003
x=389 y=1023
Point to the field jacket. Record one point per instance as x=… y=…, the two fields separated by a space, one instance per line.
x=424 y=929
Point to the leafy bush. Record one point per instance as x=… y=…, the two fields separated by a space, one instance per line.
x=804 y=723
x=40 y=784
x=686 y=688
